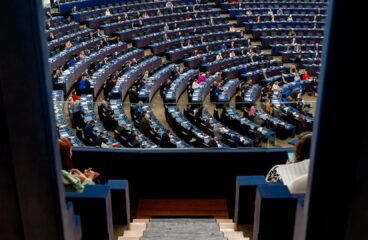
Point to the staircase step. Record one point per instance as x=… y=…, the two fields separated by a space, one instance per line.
x=129 y=238
x=224 y=220
x=140 y=220
x=130 y=233
x=137 y=226
x=233 y=234
x=227 y=226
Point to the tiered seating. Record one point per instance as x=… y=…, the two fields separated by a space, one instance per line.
x=114 y=65
x=63 y=39
x=118 y=15
x=271 y=4
x=207 y=123
x=195 y=61
x=63 y=56
x=127 y=79
x=279 y=47
x=113 y=27
x=294 y=23
x=126 y=131
x=61 y=122
x=199 y=94
x=179 y=53
x=161 y=47
x=267 y=41
x=257 y=33
x=283 y=129
x=154 y=82
x=64 y=28
x=145 y=40
x=87 y=104
x=193 y=33
x=284 y=10
x=95 y=9
x=157 y=131
x=186 y=130
x=273 y=73
x=228 y=90
x=251 y=95
x=135 y=31
x=179 y=85
x=218 y=65
x=287 y=89
x=243 y=125
x=292 y=116
x=54 y=20
x=72 y=74
x=289 y=56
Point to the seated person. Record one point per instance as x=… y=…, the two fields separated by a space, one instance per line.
x=276 y=87
x=84 y=85
x=212 y=143
x=201 y=78
x=305 y=75
x=239 y=100
x=66 y=153
x=89 y=135
x=218 y=130
x=165 y=140
x=195 y=84
x=75 y=181
x=215 y=91
x=313 y=86
x=285 y=172
x=219 y=57
x=268 y=106
x=290 y=18
x=252 y=112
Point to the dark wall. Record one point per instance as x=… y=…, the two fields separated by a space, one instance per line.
x=179 y=173
x=338 y=168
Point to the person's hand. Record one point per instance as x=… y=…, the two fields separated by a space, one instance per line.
x=78 y=174
x=75 y=171
x=90 y=174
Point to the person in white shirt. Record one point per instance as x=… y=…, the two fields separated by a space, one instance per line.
x=276 y=87
x=218 y=131
x=166 y=27
x=270 y=12
x=169 y=4
x=195 y=85
x=158 y=12
x=290 y=18
x=107 y=13
x=219 y=57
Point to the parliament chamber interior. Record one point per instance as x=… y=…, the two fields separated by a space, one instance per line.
x=180 y=119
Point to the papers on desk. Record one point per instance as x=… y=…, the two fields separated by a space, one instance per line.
x=87 y=118
x=64 y=134
x=290 y=172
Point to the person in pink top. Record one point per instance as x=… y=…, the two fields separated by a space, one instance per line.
x=201 y=78
x=252 y=112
